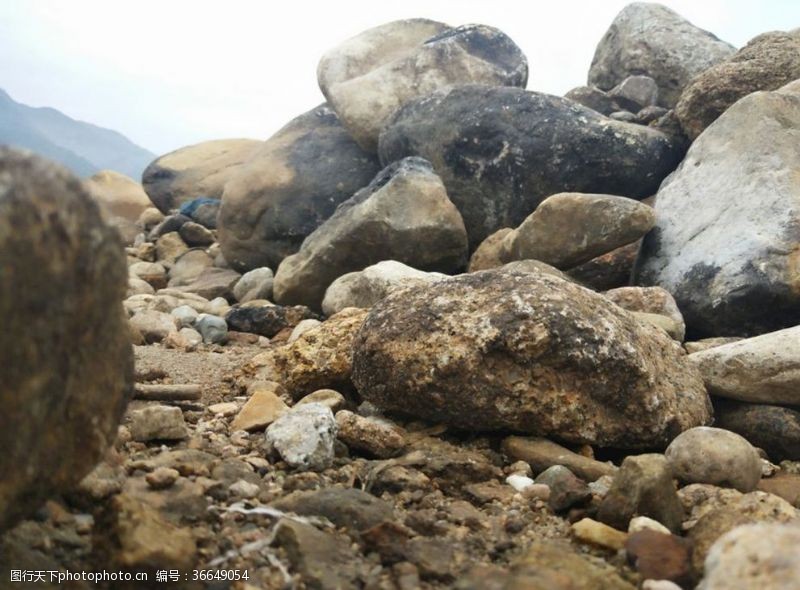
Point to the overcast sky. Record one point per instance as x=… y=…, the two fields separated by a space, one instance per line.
x=172 y=73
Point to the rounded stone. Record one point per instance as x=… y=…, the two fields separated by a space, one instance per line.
x=67 y=370
x=714 y=456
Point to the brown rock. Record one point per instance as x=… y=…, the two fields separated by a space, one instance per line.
x=492 y=252
x=261 y=410
x=650 y=300
x=67 y=367
x=597 y=533
x=784 y=485
x=541 y=453
x=657 y=556
x=609 y=270
x=374 y=436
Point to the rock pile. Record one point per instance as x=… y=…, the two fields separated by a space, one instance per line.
x=431 y=334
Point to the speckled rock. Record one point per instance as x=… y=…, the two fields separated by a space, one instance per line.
x=266 y=320
x=767 y=62
x=319 y=359
x=374 y=436
x=292 y=183
x=304 y=437
x=504 y=350
x=199 y=170
x=568 y=229
x=157 y=422
x=367 y=78
x=67 y=361
x=651 y=39
x=715 y=456
x=501 y=151
x=651 y=300
x=773 y=428
x=764 y=369
x=404 y=214
x=366 y=287
x=726 y=230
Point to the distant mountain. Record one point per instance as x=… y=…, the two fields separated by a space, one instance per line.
x=82 y=147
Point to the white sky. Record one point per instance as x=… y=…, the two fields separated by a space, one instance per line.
x=169 y=73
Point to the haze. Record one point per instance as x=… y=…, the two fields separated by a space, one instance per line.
x=169 y=74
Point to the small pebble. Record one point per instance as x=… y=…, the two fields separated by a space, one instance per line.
x=162 y=478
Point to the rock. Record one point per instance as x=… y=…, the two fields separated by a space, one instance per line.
x=195 y=234
x=133 y=536
x=185 y=316
x=324 y=561
x=643 y=523
x=569 y=229
x=374 y=436
x=139 y=287
x=745 y=509
x=152 y=272
x=254 y=284
x=650 y=300
x=301 y=328
x=149 y=219
x=501 y=151
x=609 y=270
x=706 y=343
x=670 y=326
x=162 y=478
x=202 y=210
x=404 y=214
x=170 y=246
x=651 y=114
x=643 y=486
x=290 y=186
x=660 y=557
x=213 y=329
x=202 y=169
x=351 y=508
x=327 y=397
x=243 y=489
x=566 y=490
x=635 y=93
x=304 y=437
x=492 y=252
x=67 y=361
x=593 y=98
x=168 y=224
x=772 y=428
x=653 y=40
x=319 y=359
x=157 y=422
x=367 y=78
x=211 y=283
x=784 y=485
x=597 y=533
x=764 y=369
x=754 y=556
x=767 y=62
x=261 y=410
x=153 y=325
x=188 y=267
x=541 y=453
x=366 y=287
x=715 y=456
x=447 y=352
x=623 y=117
x=726 y=284
x=267 y=320
x=122 y=201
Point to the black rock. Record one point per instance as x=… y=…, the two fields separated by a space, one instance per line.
x=267 y=320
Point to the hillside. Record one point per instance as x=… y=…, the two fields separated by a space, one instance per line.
x=82 y=147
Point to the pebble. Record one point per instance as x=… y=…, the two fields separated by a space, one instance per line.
x=660 y=556
x=715 y=456
x=261 y=410
x=224 y=408
x=597 y=533
x=542 y=453
x=244 y=489
x=643 y=523
x=303 y=327
x=327 y=397
x=213 y=328
x=520 y=482
x=304 y=437
x=162 y=478
x=153 y=325
x=157 y=422
x=185 y=316
x=374 y=436
x=566 y=490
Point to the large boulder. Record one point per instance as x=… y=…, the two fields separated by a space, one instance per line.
x=501 y=151
x=122 y=201
x=569 y=229
x=403 y=214
x=290 y=186
x=67 y=362
x=767 y=62
x=199 y=170
x=651 y=39
x=727 y=234
x=530 y=352
x=367 y=78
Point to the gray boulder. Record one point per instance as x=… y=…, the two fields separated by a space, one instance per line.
x=366 y=287
x=369 y=77
x=67 y=371
x=726 y=237
x=403 y=214
x=199 y=170
x=501 y=151
x=653 y=40
x=527 y=352
x=290 y=186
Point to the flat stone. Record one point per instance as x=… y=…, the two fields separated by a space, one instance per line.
x=374 y=436
x=660 y=557
x=350 y=508
x=261 y=410
x=597 y=533
x=157 y=422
